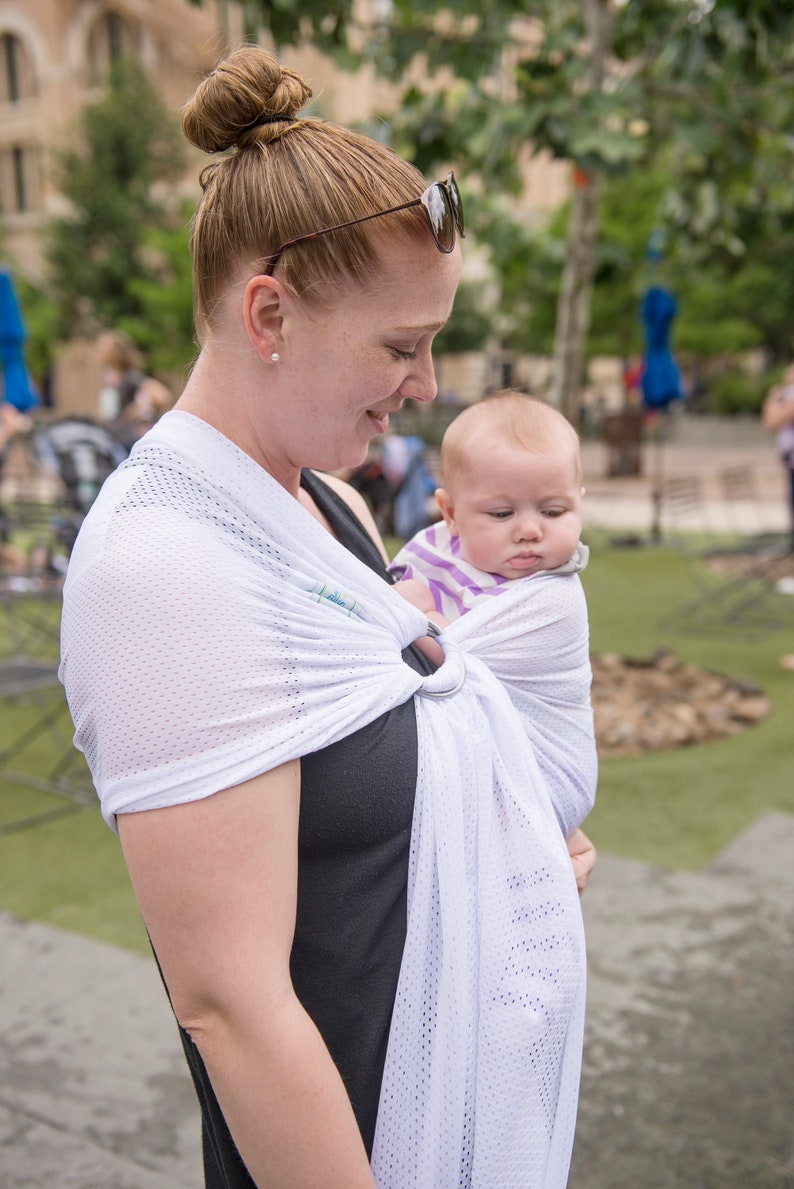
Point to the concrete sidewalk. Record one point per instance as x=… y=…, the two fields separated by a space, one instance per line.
x=689 y=1058
x=707 y=450
x=94 y=1090
x=688 y=1076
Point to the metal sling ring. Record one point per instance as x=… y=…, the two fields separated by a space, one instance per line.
x=434 y=631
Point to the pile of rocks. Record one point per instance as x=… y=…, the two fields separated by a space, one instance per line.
x=651 y=705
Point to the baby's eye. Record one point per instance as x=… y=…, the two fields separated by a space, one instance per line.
x=501 y=514
x=553 y=513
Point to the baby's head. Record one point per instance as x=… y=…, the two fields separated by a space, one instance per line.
x=512 y=485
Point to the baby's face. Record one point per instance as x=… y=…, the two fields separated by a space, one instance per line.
x=515 y=512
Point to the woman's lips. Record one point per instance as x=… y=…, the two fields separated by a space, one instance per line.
x=380 y=420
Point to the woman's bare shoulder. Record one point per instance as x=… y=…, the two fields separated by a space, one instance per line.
x=358 y=505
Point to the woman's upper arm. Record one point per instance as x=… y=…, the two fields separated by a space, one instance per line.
x=216 y=881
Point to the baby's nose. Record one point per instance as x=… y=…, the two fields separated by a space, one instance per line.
x=528 y=527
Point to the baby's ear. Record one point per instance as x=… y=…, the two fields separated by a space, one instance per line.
x=447 y=509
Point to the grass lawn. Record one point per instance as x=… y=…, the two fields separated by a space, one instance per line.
x=677 y=809
x=680 y=808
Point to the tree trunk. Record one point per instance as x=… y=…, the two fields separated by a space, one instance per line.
x=576 y=286
x=573 y=304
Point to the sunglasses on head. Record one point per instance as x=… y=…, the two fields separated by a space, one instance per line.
x=442 y=205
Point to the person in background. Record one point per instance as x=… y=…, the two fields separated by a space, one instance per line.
x=500 y=574
x=777 y=415
x=12 y=424
x=130 y=400
x=299 y=792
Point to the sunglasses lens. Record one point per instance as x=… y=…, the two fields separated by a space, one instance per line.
x=456 y=202
x=439 y=212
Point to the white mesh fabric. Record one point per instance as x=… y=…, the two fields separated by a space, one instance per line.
x=482 y=1070
x=189 y=625
x=535 y=638
x=212 y=630
x=533 y=634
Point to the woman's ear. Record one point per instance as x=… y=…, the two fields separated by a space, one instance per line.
x=447 y=509
x=263 y=314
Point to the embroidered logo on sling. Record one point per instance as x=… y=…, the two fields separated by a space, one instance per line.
x=322 y=592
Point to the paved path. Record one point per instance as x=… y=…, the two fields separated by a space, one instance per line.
x=94 y=1092
x=707 y=450
x=689 y=1058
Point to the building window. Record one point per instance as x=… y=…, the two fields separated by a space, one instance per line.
x=16 y=70
x=20 y=185
x=111 y=39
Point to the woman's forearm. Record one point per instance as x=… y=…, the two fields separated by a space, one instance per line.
x=283 y=1100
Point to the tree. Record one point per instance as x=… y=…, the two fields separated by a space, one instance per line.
x=727 y=303
x=164 y=329
x=602 y=84
x=101 y=254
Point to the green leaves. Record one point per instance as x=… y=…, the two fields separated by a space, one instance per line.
x=114 y=176
x=699 y=93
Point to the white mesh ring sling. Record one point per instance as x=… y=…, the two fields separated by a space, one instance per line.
x=482 y=1071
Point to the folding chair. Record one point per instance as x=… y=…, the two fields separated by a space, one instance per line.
x=745 y=599
x=687 y=528
x=742 y=499
x=36 y=748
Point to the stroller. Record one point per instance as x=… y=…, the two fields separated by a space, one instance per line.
x=82 y=453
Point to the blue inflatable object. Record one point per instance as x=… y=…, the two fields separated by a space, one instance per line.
x=18 y=388
x=661 y=380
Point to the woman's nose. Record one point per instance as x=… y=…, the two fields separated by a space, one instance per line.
x=420 y=383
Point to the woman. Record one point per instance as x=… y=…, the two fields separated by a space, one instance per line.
x=241 y=675
x=777 y=415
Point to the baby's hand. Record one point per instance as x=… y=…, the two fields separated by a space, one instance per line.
x=583 y=857
x=416 y=593
x=419 y=596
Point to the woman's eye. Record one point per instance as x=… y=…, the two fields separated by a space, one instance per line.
x=404 y=354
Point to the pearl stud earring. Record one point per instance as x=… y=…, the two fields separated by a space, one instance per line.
x=275 y=357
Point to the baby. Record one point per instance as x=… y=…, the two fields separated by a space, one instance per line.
x=499 y=575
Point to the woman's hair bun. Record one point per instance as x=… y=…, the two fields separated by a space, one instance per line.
x=247 y=86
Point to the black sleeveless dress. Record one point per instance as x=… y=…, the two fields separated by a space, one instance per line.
x=357 y=800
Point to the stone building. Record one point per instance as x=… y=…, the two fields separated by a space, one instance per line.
x=54 y=55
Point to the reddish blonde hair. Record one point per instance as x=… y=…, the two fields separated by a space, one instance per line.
x=285 y=178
